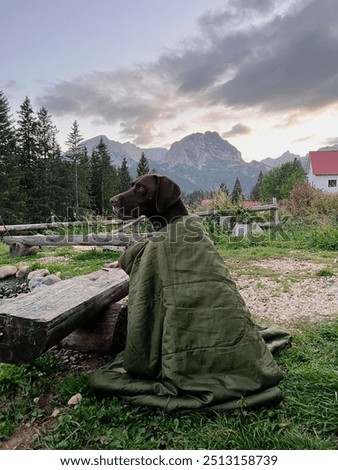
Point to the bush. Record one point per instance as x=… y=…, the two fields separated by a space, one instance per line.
x=325 y=238
x=306 y=201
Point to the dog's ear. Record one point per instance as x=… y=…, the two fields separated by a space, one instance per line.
x=168 y=192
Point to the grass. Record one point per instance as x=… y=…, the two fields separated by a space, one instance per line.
x=82 y=262
x=307 y=418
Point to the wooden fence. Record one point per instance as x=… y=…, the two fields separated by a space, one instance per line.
x=118 y=239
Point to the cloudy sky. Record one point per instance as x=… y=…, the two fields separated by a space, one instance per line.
x=262 y=73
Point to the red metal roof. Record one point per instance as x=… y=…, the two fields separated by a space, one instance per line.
x=324 y=162
x=248 y=204
x=207 y=202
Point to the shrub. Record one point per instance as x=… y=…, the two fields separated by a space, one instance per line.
x=306 y=201
x=325 y=238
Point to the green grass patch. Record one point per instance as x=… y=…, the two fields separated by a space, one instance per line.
x=324 y=273
x=307 y=418
x=78 y=263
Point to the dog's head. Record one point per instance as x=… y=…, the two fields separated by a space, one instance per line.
x=149 y=195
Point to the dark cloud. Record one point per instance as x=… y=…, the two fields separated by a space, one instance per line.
x=332 y=141
x=125 y=97
x=293 y=63
x=271 y=55
x=234 y=13
x=237 y=129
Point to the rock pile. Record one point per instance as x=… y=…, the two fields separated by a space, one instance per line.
x=12 y=287
x=14 y=281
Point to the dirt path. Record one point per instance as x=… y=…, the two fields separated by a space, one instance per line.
x=291 y=292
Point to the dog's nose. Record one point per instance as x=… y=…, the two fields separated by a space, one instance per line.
x=114 y=201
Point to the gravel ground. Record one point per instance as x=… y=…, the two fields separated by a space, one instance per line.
x=284 y=301
x=289 y=292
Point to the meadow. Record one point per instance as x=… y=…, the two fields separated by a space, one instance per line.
x=35 y=413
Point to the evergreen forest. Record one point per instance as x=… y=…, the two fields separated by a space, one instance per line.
x=39 y=181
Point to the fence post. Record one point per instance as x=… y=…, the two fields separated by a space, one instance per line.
x=276 y=215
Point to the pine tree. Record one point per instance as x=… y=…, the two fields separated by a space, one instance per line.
x=46 y=134
x=96 y=180
x=224 y=188
x=103 y=178
x=78 y=159
x=143 y=166
x=26 y=136
x=221 y=198
x=49 y=154
x=256 y=192
x=124 y=178
x=237 y=193
x=84 y=183
x=56 y=170
x=60 y=180
x=11 y=203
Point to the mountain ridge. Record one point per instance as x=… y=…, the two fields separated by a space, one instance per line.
x=197 y=161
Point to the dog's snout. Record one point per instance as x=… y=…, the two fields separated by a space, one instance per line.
x=114 y=201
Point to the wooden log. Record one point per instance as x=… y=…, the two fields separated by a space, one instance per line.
x=103 y=334
x=19 y=249
x=142 y=218
x=228 y=212
x=32 y=323
x=92 y=239
x=57 y=225
x=116 y=249
x=42 y=226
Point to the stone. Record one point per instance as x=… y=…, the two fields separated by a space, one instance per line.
x=50 y=279
x=39 y=281
x=55 y=412
x=38 y=273
x=75 y=399
x=23 y=271
x=35 y=282
x=7 y=271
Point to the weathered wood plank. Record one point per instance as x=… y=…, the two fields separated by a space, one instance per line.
x=32 y=323
x=41 y=226
x=92 y=239
x=57 y=225
x=226 y=212
x=142 y=218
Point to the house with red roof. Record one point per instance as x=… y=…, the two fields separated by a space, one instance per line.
x=323 y=170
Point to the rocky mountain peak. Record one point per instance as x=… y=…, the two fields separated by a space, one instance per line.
x=199 y=160
x=198 y=149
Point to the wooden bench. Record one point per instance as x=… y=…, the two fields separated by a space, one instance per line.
x=31 y=323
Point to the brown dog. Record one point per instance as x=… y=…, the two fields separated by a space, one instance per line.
x=157 y=197
x=190 y=343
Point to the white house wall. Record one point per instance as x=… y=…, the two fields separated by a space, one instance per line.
x=321 y=182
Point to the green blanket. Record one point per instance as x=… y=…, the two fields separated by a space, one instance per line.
x=190 y=343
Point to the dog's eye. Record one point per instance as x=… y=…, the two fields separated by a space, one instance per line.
x=140 y=187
